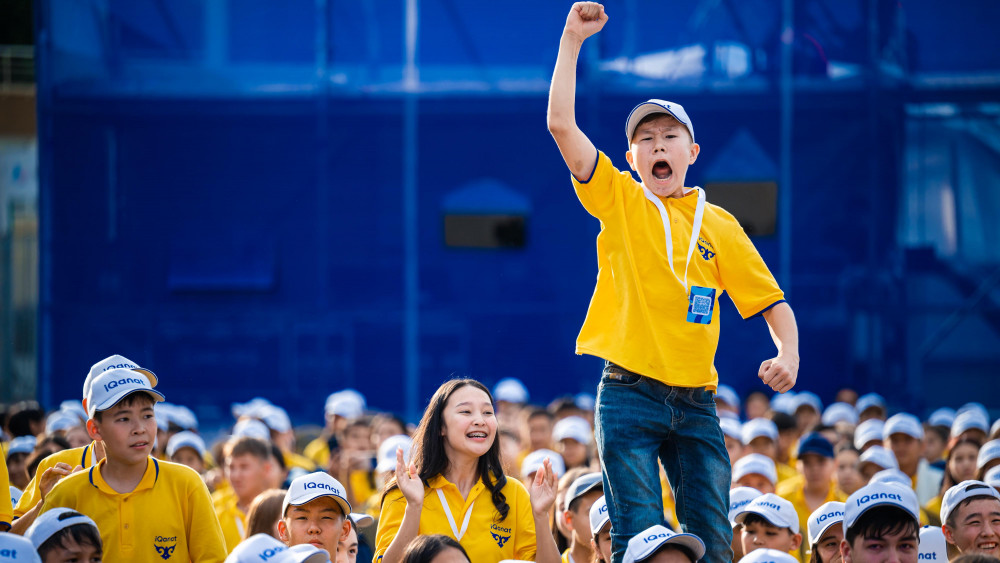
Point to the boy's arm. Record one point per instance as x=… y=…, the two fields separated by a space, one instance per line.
x=584 y=20
x=780 y=372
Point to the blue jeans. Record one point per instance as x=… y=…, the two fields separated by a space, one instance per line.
x=639 y=419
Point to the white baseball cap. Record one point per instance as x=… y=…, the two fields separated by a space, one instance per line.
x=903 y=423
x=21 y=445
x=738 y=499
x=183 y=417
x=257 y=548
x=944 y=416
x=839 y=412
x=360 y=518
x=113 y=362
x=649 y=107
x=933 y=546
x=973 y=406
x=808 y=399
x=253 y=428
x=992 y=477
x=18 y=549
x=776 y=510
x=59 y=421
x=312 y=486
x=643 y=545
x=511 y=390
x=891 y=476
x=581 y=486
x=964 y=491
x=731 y=427
x=113 y=385
x=768 y=556
x=880 y=494
x=995 y=429
x=573 y=427
x=971 y=419
x=783 y=402
x=15 y=495
x=755 y=464
x=347 y=403
x=306 y=553
x=599 y=516
x=387 y=452
x=868 y=431
x=74 y=407
x=879 y=456
x=869 y=400
x=533 y=462
x=53 y=521
x=989 y=452
x=251 y=408
x=759 y=427
x=727 y=395
x=585 y=401
x=823 y=518
x=186 y=439
x=276 y=418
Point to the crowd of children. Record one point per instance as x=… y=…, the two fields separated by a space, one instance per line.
x=485 y=476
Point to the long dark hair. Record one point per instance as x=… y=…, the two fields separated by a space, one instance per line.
x=423 y=549
x=429 y=455
x=949 y=480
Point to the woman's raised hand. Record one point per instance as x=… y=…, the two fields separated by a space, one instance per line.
x=409 y=482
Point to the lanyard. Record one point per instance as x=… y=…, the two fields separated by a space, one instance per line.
x=699 y=212
x=451 y=519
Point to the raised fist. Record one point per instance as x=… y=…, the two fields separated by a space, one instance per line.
x=585 y=19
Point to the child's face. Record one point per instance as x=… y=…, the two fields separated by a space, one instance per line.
x=828 y=545
x=660 y=152
x=762 y=445
x=248 y=475
x=579 y=519
x=900 y=546
x=762 y=535
x=128 y=432
x=817 y=470
x=347 y=550
x=574 y=453
x=756 y=481
x=734 y=448
x=319 y=522
x=601 y=544
x=190 y=458
x=71 y=551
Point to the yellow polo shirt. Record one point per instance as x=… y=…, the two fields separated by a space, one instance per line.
x=232 y=520
x=319 y=451
x=6 y=509
x=485 y=540
x=167 y=518
x=638 y=316
x=84 y=457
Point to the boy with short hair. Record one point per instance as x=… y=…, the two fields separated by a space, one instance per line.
x=904 y=436
x=815 y=487
x=146 y=509
x=580 y=496
x=63 y=462
x=61 y=535
x=880 y=524
x=770 y=522
x=315 y=512
x=970 y=518
x=652 y=317
x=248 y=467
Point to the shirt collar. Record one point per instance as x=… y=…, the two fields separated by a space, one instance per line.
x=149 y=478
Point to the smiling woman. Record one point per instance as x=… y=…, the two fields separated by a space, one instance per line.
x=455 y=486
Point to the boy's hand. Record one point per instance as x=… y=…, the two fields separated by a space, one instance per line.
x=779 y=373
x=585 y=19
x=52 y=475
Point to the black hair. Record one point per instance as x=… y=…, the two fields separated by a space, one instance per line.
x=423 y=549
x=84 y=534
x=975 y=558
x=986 y=495
x=430 y=459
x=784 y=422
x=20 y=417
x=129 y=400
x=563 y=405
x=681 y=548
x=948 y=480
x=532 y=412
x=754 y=518
x=247 y=445
x=279 y=457
x=882 y=521
x=943 y=432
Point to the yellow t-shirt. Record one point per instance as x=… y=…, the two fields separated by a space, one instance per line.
x=293 y=460
x=932 y=510
x=168 y=517
x=232 y=520
x=6 y=508
x=638 y=313
x=319 y=451
x=485 y=540
x=83 y=456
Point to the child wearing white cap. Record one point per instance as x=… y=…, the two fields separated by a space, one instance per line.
x=988 y=458
x=653 y=316
x=970 y=518
x=124 y=491
x=768 y=556
x=572 y=436
x=600 y=531
x=657 y=544
x=64 y=462
x=881 y=524
x=580 y=496
x=770 y=522
x=904 y=435
x=933 y=545
x=262 y=547
x=62 y=535
x=315 y=512
x=16 y=549
x=826 y=530
x=755 y=471
x=960 y=465
x=187 y=448
x=739 y=498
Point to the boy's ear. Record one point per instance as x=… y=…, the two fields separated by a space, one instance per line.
x=796 y=541
x=695 y=149
x=845 y=551
x=347 y=530
x=283 y=531
x=628 y=157
x=949 y=534
x=567 y=517
x=93 y=430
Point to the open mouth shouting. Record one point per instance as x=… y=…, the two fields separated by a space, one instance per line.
x=662 y=170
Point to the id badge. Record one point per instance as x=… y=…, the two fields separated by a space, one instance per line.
x=701 y=305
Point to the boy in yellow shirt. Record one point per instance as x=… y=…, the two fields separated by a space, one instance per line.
x=315 y=512
x=652 y=316
x=146 y=509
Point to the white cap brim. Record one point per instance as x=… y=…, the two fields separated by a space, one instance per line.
x=117 y=397
x=313 y=495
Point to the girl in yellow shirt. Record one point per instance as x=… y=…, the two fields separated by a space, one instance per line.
x=454 y=485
